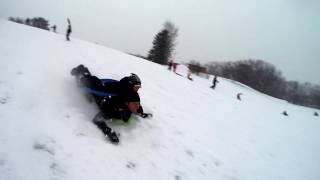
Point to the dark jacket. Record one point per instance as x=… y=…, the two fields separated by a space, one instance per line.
x=121 y=88
x=110 y=96
x=69 y=29
x=114 y=107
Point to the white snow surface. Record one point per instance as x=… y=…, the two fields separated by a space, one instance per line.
x=46 y=131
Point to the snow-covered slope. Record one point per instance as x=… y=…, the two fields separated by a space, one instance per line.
x=196 y=132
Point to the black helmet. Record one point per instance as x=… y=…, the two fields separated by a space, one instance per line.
x=134 y=79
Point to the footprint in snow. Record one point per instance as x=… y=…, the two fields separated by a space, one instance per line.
x=190 y=153
x=4 y=95
x=216 y=162
x=5 y=170
x=57 y=171
x=177 y=175
x=2 y=162
x=46 y=145
x=80 y=134
x=4 y=98
x=131 y=165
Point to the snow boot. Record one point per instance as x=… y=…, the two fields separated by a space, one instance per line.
x=112 y=135
x=80 y=70
x=107 y=131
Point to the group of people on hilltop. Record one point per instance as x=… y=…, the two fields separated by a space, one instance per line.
x=115 y=99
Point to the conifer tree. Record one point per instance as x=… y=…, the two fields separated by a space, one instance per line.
x=160 y=51
x=163 y=44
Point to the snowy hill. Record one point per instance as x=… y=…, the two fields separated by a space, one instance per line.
x=196 y=132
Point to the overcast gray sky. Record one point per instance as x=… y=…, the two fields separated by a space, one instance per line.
x=285 y=33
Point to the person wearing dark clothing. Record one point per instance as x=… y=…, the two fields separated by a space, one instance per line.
x=120 y=108
x=54 y=27
x=68 y=30
x=131 y=83
x=100 y=88
x=115 y=99
x=214 y=82
x=115 y=108
x=174 y=65
x=239 y=96
x=170 y=65
x=125 y=85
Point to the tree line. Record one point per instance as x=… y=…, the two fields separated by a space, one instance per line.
x=265 y=78
x=38 y=22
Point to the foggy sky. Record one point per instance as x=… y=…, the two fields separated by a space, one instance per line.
x=285 y=33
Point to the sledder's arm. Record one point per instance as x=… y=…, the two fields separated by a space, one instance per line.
x=142 y=114
x=146 y=115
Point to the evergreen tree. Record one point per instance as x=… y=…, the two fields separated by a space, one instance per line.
x=17 y=20
x=28 y=21
x=173 y=33
x=160 y=51
x=40 y=22
x=164 y=44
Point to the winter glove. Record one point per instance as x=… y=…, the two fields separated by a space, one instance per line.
x=145 y=115
x=140 y=110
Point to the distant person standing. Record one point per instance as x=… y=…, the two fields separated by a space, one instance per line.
x=239 y=96
x=214 y=82
x=68 y=30
x=174 y=64
x=170 y=65
x=189 y=74
x=54 y=27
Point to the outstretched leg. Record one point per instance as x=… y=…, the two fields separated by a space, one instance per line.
x=100 y=122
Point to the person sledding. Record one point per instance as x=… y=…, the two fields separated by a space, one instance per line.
x=116 y=108
x=115 y=99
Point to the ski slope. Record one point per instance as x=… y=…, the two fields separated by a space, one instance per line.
x=46 y=131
